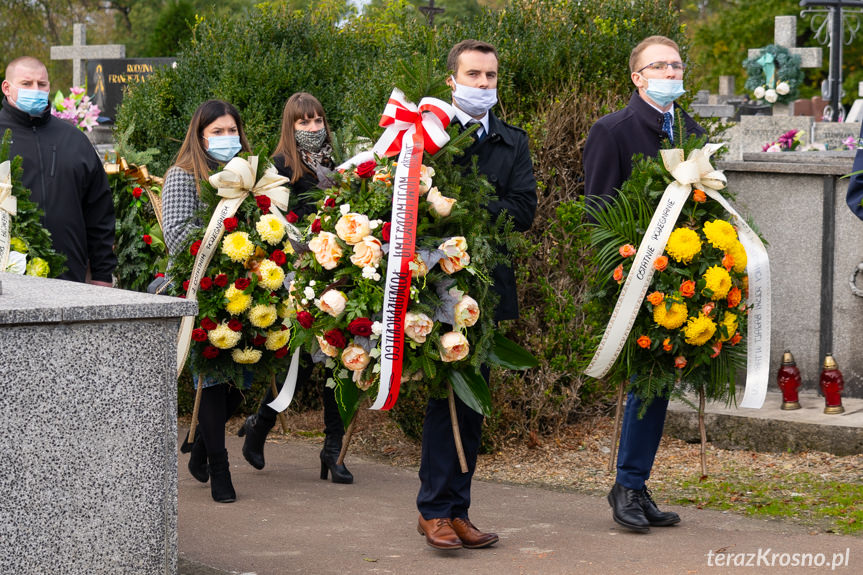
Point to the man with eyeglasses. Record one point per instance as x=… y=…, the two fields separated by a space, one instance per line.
x=650 y=121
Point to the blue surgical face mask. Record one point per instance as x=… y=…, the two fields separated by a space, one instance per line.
x=223 y=148
x=664 y=91
x=32 y=102
x=473 y=101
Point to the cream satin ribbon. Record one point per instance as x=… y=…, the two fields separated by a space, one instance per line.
x=8 y=208
x=694 y=172
x=234 y=184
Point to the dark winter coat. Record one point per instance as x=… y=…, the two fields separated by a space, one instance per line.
x=66 y=179
x=855 y=186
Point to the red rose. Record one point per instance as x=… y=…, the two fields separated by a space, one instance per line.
x=241 y=283
x=263 y=203
x=279 y=257
x=137 y=192
x=366 y=169
x=259 y=340
x=305 y=319
x=336 y=338
x=281 y=352
x=195 y=248
x=147 y=239
x=316 y=226
x=385 y=231
x=231 y=224
x=211 y=352
x=330 y=202
x=208 y=324
x=235 y=325
x=221 y=280
x=160 y=275
x=361 y=326
x=206 y=283
x=292 y=218
x=199 y=334
x=186 y=285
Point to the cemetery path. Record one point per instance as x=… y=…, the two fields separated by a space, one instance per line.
x=286 y=520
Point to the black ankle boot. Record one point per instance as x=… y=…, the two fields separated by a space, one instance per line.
x=329 y=457
x=221 y=487
x=198 y=459
x=255 y=429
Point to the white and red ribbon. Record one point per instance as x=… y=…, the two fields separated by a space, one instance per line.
x=401 y=118
x=8 y=208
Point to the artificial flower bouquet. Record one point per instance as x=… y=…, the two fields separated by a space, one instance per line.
x=28 y=248
x=690 y=325
x=76 y=108
x=787 y=142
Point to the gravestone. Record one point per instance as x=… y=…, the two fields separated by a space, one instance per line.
x=79 y=51
x=107 y=78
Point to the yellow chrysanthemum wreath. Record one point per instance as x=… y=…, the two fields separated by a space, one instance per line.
x=683 y=245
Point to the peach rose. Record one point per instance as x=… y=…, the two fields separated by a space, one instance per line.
x=454 y=346
x=326 y=249
x=626 y=250
x=456 y=255
x=656 y=298
x=363 y=383
x=466 y=312
x=426 y=174
x=332 y=302
x=643 y=341
x=352 y=228
x=367 y=252
x=441 y=205
x=679 y=362
x=418 y=267
x=707 y=308
x=660 y=263
x=618 y=273
x=418 y=326
x=687 y=288
x=355 y=358
x=666 y=344
x=329 y=350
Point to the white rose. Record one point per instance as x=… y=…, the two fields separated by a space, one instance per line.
x=759 y=92
x=770 y=96
x=332 y=302
x=426 y=173
x=783 y=88
x=418 y=326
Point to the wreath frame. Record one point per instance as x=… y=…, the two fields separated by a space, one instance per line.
x=787 y=70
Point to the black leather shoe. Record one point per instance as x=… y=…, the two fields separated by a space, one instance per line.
x=655 y=517
x=198 y=459
x=255 y=429
x=626 y=508
x=329 y=460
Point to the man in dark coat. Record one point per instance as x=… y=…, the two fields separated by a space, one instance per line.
x=640 y=128
x=854 y=195
x=63 y=172
x=504 y=158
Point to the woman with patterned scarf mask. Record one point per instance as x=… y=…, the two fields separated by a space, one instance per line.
x=304 y=155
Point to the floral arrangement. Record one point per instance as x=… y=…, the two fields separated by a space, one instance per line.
x=690 y=328
x=852 y=143
x=31 y=250
x=337 y=284
x=76 y=108
x=787 y=142
x=243 y=304
x=774 y=75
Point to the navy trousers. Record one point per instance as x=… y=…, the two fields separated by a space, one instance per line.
x=444 y=489
x=639 y=441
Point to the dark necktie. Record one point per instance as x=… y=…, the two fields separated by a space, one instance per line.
x=666 y=125
x=479 y=134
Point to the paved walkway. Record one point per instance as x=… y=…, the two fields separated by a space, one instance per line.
x=286 y=520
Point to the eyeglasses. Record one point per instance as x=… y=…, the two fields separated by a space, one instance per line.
x=662 y=66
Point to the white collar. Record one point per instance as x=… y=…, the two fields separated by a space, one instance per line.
x=464 y=118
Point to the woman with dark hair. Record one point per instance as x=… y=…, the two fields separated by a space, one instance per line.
x=215 y=135
x=304 y=155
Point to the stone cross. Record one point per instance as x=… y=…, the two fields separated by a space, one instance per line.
x=785 y=35
x=430 y=11
x=79 y=51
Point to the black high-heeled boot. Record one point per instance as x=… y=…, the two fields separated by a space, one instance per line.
x=255 y=429
x=329 y=459
x=221 y=487
x=198 y=459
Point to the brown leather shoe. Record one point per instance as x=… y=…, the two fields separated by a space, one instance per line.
x=471 y=537
x=439 y=533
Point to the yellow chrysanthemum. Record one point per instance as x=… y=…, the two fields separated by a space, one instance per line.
x=262 y=315
x=729 y=320
x=277 y=339
x=699 y=330
x=720 y=234
x=246 y=355
x=224 y=337
x=670 y=318
x=238 y=247
x=283 y=309
x=271 y=229
x=272 y=275
x=683 y=245
x=718 y=281
x=737 y=252
x=238 y=302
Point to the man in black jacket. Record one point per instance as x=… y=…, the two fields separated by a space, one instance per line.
x=504 y=158
x=63 y=172
x=640 y=128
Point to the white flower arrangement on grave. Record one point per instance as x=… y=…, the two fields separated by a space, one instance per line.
x=774 y=75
